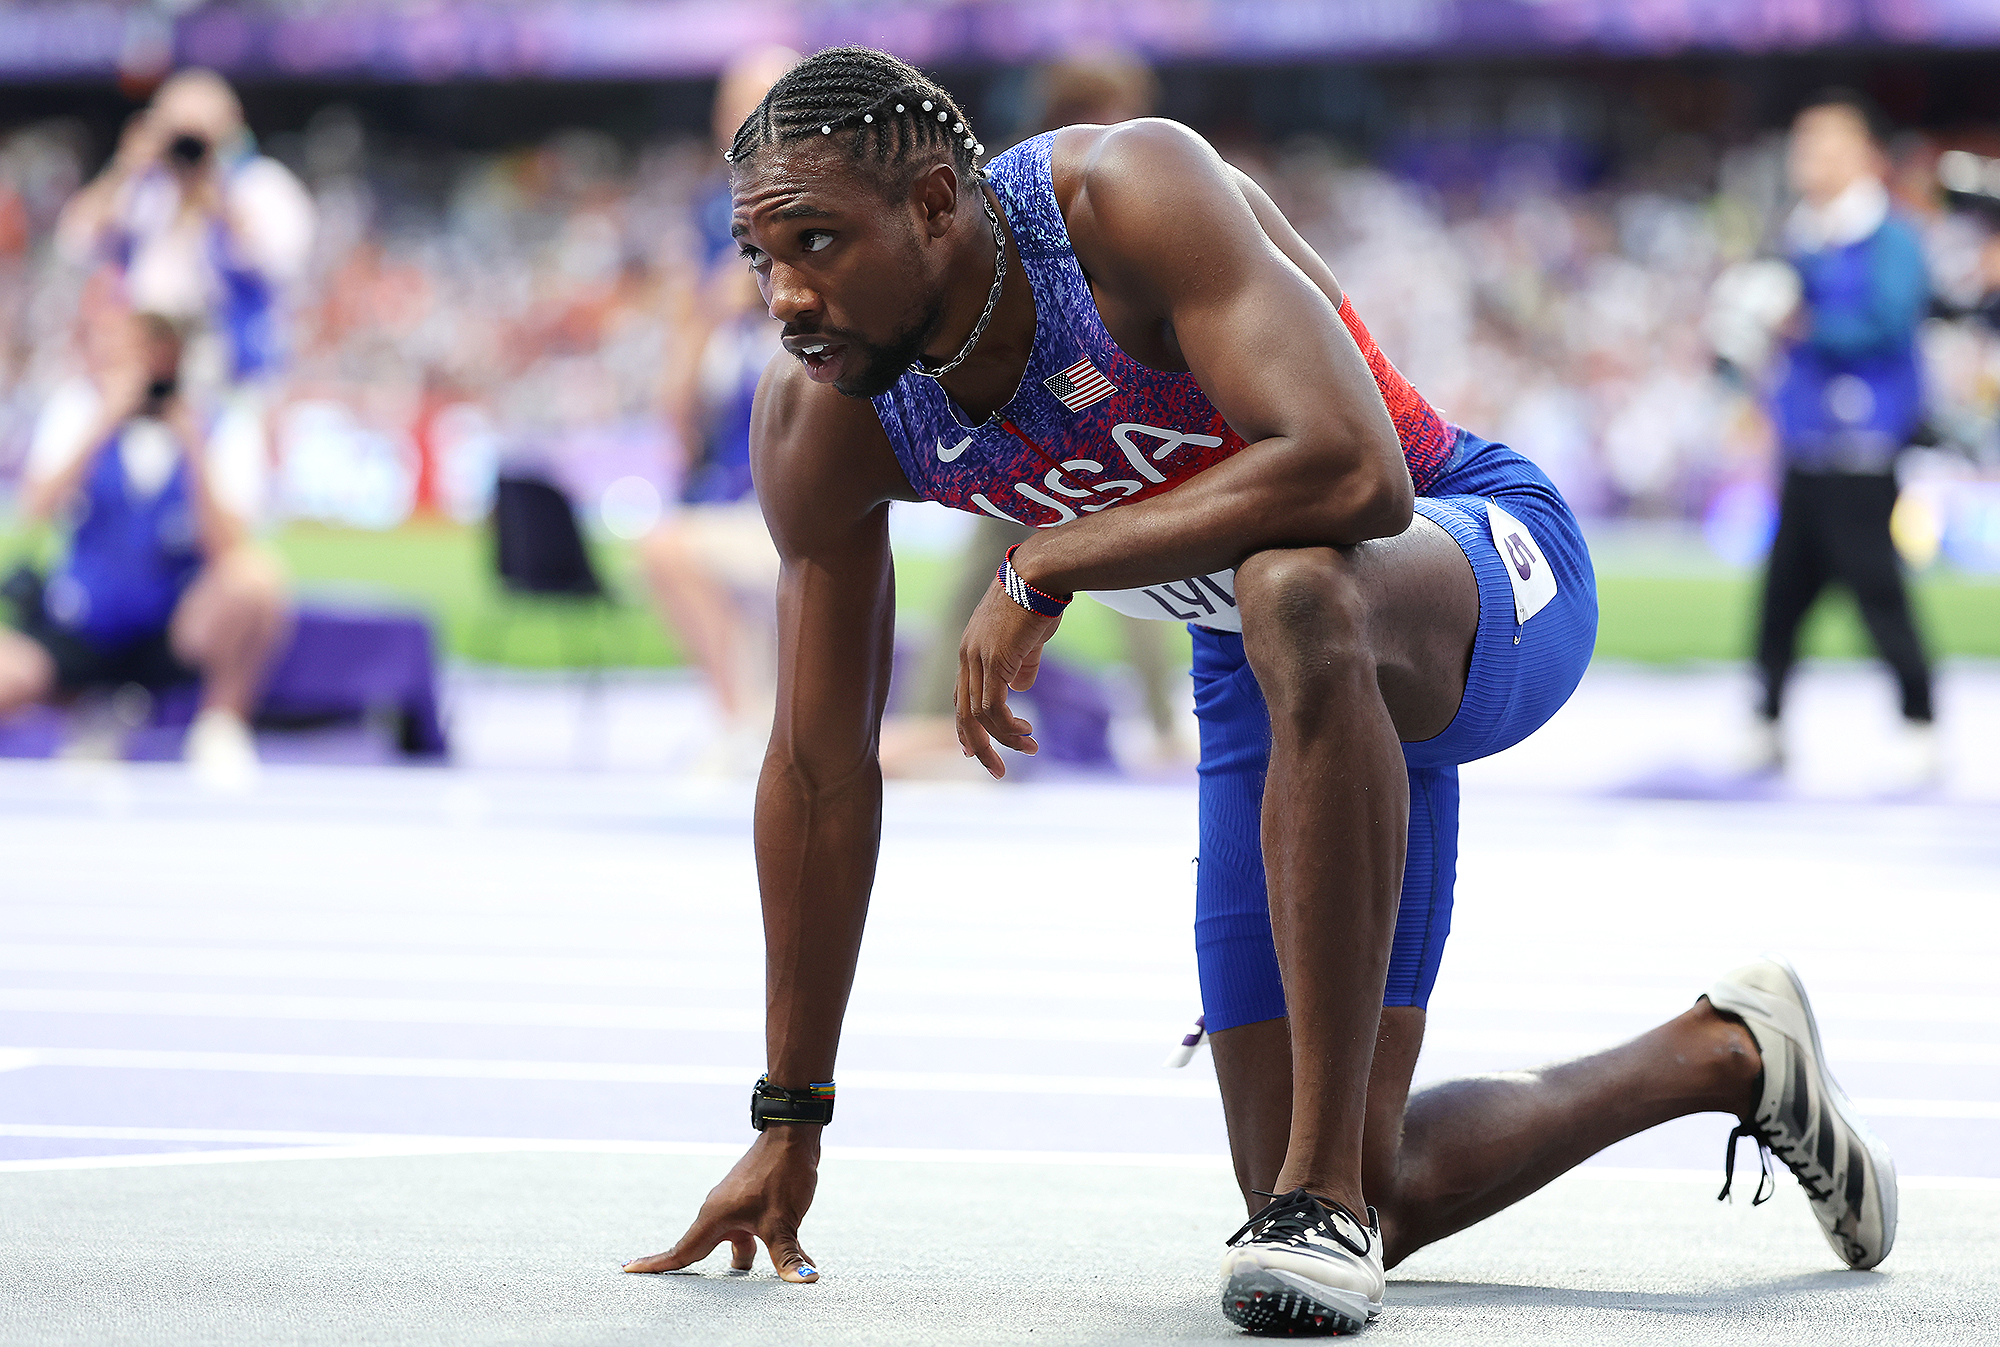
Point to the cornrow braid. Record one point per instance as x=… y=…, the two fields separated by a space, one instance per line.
x=890 y=111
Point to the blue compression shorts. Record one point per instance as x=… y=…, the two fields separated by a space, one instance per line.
x=1521 y=674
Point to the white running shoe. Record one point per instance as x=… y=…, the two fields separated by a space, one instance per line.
x=1303 y=1266
x=1761 y=752
x=221 y=752
x=1918 y=762
x=1803 y=1116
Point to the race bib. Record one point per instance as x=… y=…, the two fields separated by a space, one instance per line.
x=1528 y=570
x=1209 y=600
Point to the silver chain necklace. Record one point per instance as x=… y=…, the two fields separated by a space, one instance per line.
x=992 y=298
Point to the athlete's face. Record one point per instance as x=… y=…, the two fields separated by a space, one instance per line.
x=857 y=280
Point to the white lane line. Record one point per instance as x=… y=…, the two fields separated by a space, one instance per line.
x=1199 y=1085
x=363 y=1146
x=565 y=1015
x=1984 y=1110
x=1071 y=980
x=1524 y=1045
x=372 y=1145
x=1177 y=1086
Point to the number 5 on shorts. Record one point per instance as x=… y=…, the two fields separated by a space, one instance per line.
x=1528 y=571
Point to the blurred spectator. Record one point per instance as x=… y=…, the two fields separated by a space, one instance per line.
x=1848 y=400
x=711 y=565
x=204 y=231
x=160 y=583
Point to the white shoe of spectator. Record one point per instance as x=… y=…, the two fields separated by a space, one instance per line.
x=220 y=751
x=735 y=754
x=1762 y=752
x=1918 y=763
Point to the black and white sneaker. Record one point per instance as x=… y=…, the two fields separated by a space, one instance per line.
x=1804 y=1118
x=1303 y=1266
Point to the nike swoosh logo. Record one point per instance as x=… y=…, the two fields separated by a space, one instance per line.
x=950 y=455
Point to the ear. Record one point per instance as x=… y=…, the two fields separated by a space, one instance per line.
x=934 y=196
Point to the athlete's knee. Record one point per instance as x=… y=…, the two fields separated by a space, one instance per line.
x=1305 y=624
x=27 y=674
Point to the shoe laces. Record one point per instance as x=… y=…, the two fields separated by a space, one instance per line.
x=1289 y=1218
x=1769 y=1139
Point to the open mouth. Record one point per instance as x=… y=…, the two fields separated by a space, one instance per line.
x=824 y=360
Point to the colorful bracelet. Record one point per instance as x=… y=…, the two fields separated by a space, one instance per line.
x=1025 y=594
x=773 y=1103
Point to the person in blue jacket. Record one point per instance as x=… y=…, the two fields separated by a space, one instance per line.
x=160 y=581
x=1848 y=398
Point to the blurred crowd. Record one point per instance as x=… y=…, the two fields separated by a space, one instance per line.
x=459 y=311
x=1587 y=327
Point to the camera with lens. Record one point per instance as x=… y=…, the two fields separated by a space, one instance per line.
x=159 y=393
x=187 y=150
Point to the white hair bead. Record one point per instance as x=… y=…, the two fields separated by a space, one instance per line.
x=968 y=142
x=899 y=107
x=826 y=130
x=868 y=117
x=956 y=127
x=927 y=105
x=943 y=115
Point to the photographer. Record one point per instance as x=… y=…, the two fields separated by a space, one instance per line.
x=203 y=230
x=160 y=584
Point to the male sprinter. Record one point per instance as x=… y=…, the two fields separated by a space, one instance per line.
x=1114 y=336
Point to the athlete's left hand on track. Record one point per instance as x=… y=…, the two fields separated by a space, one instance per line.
x=763 y=1197
x=1002 y=649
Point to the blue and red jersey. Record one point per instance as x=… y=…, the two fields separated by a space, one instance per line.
x=1090 y=427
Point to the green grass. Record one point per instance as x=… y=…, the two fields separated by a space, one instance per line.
x=1670 y=619
x=446 y=570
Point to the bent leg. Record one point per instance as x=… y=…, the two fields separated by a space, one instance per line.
x=1355 y=650
x=693 y=603
x=1457 y=1151
x=1472 y=1146
x=227 y=625
x=27 y=673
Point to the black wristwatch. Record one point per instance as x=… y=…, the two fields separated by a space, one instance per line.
x=773 y=1104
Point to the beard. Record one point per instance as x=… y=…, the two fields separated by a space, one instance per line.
x=882 y=364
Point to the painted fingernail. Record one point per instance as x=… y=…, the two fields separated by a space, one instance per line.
x=808 y=1270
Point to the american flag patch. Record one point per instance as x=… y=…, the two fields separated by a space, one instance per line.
x=1080 y=385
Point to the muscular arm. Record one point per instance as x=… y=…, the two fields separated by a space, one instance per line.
x=825 y=474
x=1162 y=224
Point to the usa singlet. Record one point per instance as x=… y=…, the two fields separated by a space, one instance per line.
x=1090 y=427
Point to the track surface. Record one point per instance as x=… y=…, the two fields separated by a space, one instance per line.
x=421 y=1056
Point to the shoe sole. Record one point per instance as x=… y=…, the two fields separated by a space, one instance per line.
x=1880 y=1161
x=1273 y=1303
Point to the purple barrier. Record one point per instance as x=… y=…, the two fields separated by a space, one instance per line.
x=341 y=665
x=1067 y=706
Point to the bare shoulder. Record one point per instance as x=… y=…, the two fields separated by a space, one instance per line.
x=820 y=459
x=1146 y=200
x=1151 y=152
x=1154 y=210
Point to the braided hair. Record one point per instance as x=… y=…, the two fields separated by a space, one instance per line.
x=891 y=113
